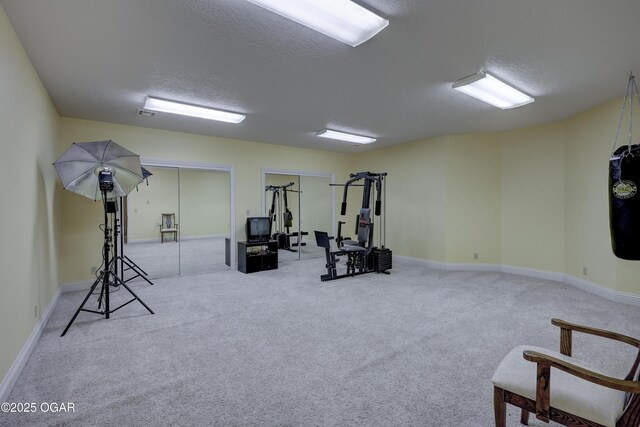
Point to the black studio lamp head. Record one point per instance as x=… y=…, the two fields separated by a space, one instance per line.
x=105 y=179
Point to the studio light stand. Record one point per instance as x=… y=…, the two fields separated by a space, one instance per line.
x=119 y=258
x=107 y=275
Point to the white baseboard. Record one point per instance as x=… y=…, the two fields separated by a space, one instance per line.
x=16 y=368
x=599 y=290
x=75 y=286
x=448 y=266
x=531 y=272
x=611 y=294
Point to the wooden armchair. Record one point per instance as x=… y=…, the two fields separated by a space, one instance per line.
x=579 y=395
x=168 y=225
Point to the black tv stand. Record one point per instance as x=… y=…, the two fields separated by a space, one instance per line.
x=257 y=256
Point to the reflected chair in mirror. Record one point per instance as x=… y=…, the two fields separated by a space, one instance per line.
x=168 y=226
x=573 y=393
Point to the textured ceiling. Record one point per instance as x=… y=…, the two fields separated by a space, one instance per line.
x=99 y=59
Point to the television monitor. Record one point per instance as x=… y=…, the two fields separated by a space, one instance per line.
x=258 y=229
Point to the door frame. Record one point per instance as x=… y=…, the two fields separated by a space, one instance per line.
x=231 y=169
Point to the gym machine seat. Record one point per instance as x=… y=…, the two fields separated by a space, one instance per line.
x=355 y=257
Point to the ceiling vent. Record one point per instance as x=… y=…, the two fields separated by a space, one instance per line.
x=146 y=113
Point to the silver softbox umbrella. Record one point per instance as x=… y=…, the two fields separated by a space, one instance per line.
x=79 y=166
x=102 y=170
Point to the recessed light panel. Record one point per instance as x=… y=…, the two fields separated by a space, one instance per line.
x=343 y=20
x=155 y=104
x=348 y=137
x=486 y=88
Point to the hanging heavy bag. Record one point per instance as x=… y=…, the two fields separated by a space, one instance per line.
x=624 y=179
x=624 y=202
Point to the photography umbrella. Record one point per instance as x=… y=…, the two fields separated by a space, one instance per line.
x=79 y=166
x=101 y=170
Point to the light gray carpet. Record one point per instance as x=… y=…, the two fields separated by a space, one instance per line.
x=196 y=256
x=191 y=256
x=281 y=348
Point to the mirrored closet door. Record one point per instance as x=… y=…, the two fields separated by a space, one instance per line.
x=204 y=220
x=315 y=212
x=177 y=222
x=156 y=252
x=298 y=204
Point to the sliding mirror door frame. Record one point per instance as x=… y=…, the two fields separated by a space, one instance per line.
x=300 y=173
x=154 y=162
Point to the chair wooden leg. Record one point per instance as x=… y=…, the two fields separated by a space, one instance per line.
x=524 y=417
x=499 y=407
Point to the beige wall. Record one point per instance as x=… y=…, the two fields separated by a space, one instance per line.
x=28 y=133
x=416 y=196
x=472 y=186
x=78 y=217
x=533 y=197
x=443 y=197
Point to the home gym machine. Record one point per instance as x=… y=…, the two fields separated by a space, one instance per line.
x=282 y=218
x=362 y=256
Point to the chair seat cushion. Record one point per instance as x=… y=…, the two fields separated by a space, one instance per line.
x=568 y=392
x=169 y=230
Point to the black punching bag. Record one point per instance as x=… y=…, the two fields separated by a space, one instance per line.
x=624 y=202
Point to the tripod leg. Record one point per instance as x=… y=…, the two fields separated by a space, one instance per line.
x=98 y=280
x=117 y=279
x=103 y=290
x=130 y=261
x=133 y=266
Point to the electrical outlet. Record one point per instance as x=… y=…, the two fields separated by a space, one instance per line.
x=475 y=255
x=584 y=271
x=248 y=212
x=94 y=269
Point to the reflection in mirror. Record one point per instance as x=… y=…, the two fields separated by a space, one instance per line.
x=150 y=242
x=205 y=215
x=309 y=202
x=282 y=203
x=315 y=212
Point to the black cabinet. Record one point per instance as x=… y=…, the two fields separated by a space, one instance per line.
x=257 y=256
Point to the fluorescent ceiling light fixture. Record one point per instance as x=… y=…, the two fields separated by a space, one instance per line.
x=349 y=137
x=343 y=20
x=155 y=104
x=485 y=87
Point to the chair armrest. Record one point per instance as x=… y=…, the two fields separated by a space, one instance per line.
x=594 y=331
x=567 y=328
x=543 y=385
x=585 y=374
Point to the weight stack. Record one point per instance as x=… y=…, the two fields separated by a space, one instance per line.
x=382 y=260
x=282 y=239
